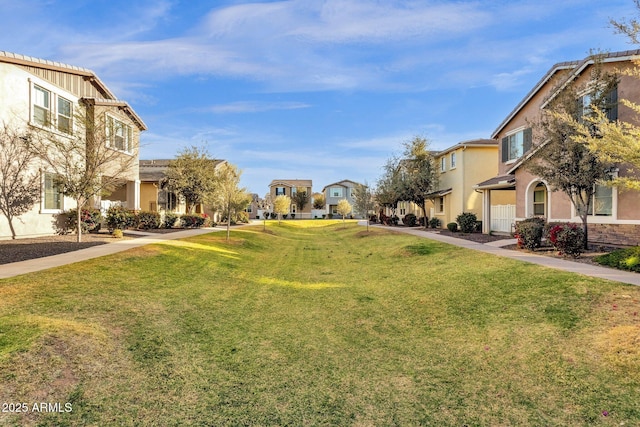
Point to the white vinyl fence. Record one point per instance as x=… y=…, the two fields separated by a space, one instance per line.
x=503 y=218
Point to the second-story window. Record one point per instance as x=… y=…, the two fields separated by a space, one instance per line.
x=453 y=160
x=64 y=115
x=443 y=164
x=516 y=144
x=41 y=106
x=118 y=135
x=280 y=191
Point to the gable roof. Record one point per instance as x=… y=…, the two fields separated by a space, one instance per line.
x=341 y=183
x=574 y=69
x=291 y=182
x=107 y=97
x=470 y=143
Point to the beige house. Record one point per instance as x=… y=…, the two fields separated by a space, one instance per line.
x=288 y=187
x=461 y=167
x=615 y=218
x=43 y=96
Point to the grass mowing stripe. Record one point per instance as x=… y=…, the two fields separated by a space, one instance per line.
x=319 y=323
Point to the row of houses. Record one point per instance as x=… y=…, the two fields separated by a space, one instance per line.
x=482 y=176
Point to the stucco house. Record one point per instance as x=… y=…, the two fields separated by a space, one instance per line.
x=461 y=166
x=337 y=191
x=38 y=95
x=156 y=197
x=615 y=218
x=288 y=187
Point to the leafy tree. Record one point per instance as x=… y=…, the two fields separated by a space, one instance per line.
x=192 y=175
x=561 y=159
x=228 y=197
x=389 y=191
x=363 y=200
x=19 y=186
x=281 y=205
x=417 y=173
x=85 y=161
x=318 y=201
x=343 y=208
x=300 y=198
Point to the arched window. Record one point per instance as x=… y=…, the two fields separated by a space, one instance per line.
x=540 y=200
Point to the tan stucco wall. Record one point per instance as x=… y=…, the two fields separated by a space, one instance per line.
x=148 y=194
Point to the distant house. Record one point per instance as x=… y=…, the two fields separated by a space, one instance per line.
x=42 y=95
x=288 y=187
x=461 y=166
x=615 y=217
x=155 y=196
x=337 y=191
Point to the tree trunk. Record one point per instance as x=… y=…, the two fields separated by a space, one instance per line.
x=79 y=223
x=13 y=231
x=424 y=214
x=585 y=230
x=228 y=224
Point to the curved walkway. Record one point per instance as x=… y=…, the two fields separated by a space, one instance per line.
x=37 y=264
x=557 y=263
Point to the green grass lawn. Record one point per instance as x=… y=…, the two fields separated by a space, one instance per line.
x=315 y=323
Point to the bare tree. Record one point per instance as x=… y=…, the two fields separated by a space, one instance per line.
x=19 y=184
x=91 y=158
x=227 y=196
x=363 y=200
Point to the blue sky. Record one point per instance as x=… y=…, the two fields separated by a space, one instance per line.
x=313 y=89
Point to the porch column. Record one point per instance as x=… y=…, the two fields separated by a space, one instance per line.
x=486 y=211
x=133 y=194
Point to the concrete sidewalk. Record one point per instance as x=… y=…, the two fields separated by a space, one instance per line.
x=557 y=263
x=37 y=264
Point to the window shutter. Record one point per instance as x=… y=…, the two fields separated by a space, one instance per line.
x=527 y=140
x=611 y=104
x=505 y=149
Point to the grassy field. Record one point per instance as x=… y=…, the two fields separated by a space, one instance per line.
x=315 y=323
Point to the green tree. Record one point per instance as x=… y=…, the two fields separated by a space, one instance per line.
x=363 y=200
x=228 y=197
x=281 y=205
x=192 y=175
x=418 y=174
x=389 y=191
x=318 y=201
x=344 y=208
x=19 y=185
x=300 y=198
x=561 y=158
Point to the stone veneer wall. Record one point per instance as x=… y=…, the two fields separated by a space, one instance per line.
x=615 y=234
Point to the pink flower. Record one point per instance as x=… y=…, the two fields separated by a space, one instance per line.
x=605 y=413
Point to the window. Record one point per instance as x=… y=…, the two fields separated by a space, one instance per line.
x=280 y=191
x=118 y=135
x=443 y=164
x=602 y=203
x=453 y=160
x=64 y=115
x=336 y=192
x=440 y=205
x=516 y=144
x=539 y=200
x=41 y=106
x=53 y=197
x=609 y=104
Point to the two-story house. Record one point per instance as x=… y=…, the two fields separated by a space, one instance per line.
x=289 y=187
x=337 y=191
x=45 y=97
x=615 y=217
x=461 y=166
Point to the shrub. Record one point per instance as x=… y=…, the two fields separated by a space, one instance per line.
x=529 y=233
x=567 y=239
x=90 y=219
x=373 y=218
x=467 y=222
x=147 y=220
x=119 y=218
x=169 y=220
x=242 y=217
x=293 y=216
x=330 y=216
x=273 y=215
x=284 y=216
x=423 y=221
x=410 y=220
x=434 y=223
x=452 y=226
x=623 y=259
x=192 y=220
x=394 y=220
x=117 y=233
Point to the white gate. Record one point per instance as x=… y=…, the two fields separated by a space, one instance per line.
x=503 y=218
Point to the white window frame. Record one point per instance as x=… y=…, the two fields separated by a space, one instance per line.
x=336 y=192
x=439 y=205
x=60 y=117
x=43 y=195
x=113 y=125
x=453 y=160
x=281 y=193
x=519 y=145
x=35 y=105
x=443 y=164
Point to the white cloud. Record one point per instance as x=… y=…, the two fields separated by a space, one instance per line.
x=255 y=107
